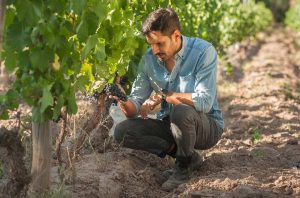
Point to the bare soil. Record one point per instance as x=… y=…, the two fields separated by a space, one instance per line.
x=257 y=156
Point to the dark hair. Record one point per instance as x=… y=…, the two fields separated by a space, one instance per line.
x=164 y=20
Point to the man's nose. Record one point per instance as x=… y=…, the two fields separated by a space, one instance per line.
x=155 y=49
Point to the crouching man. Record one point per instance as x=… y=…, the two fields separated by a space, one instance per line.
x=181 y=71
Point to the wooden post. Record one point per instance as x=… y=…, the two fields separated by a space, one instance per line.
x=41 y=157
x=4 y=79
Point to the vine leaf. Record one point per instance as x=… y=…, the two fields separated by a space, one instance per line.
x=40 y=58
x=99 y=52
x=47 y=99
x=10 y=60
x=90 y=44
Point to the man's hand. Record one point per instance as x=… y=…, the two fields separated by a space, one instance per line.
x=178 y=98
x=127 y=107
x=150 y=104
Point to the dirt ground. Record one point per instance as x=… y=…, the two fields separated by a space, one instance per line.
x=257 y=156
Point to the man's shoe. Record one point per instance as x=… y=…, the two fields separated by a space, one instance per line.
x=196 y=161
x=167 y=173
x=179 y=176
x=181 y=173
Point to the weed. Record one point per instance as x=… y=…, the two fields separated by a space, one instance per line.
x=229 y=69
x=256 y=136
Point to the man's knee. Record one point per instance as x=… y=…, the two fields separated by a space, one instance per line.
x=120 y=131
x=181 y=113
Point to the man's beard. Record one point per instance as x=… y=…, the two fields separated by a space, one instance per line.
x=161 y=56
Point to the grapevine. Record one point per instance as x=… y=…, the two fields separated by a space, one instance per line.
x=65 y=46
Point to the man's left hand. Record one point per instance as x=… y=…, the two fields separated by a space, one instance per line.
x=150 y=104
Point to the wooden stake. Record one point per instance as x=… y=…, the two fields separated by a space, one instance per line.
x=41 y=157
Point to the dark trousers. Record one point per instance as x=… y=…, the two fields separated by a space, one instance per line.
x=187 y=128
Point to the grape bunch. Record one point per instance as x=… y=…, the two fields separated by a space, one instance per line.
x=95 y=95
x=114 y=90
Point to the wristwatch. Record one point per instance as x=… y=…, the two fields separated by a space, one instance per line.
x=164 y=93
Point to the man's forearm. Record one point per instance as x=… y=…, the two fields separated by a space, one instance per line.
x=178 y=98
x=128 y=108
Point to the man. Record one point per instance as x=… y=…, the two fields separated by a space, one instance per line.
x=182 y=73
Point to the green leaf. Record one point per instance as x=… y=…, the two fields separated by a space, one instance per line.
x=57 y=6
x=4 y=115
x=99 y=52
x=72 y=106
x=90 y=44
x=10 y=60
x=82 y=31
x=9 y=17
x=16 y=37
x=78 y=5
x=99 y=8
x=87 y=26
x=30 y=17
x=116 y=17
x=47 y=99
x=92 y=20
x=41 y=58
x=24 y=60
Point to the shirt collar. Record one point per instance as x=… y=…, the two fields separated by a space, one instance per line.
x=181 y=52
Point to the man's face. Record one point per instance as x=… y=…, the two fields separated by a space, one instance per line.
x=164 y=47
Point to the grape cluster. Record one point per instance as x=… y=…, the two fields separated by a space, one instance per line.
x=114 y=90
x=96 y=95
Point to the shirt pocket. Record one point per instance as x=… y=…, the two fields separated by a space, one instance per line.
x=186 y=83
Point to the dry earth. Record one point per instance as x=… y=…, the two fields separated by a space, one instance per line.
x=258 y=155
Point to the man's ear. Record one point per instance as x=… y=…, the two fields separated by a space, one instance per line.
x=177 y=35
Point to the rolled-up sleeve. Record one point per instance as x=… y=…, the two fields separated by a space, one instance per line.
x=205 y=82
x=141 y=88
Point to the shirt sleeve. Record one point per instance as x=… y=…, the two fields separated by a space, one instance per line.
x=205 y=83
x=141 y=88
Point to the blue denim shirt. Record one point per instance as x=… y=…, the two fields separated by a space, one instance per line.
x=194 y=72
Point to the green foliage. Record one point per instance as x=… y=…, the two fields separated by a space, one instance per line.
x=292 y=17
x=56 y=48
x=223 y=23
x=278 y=8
